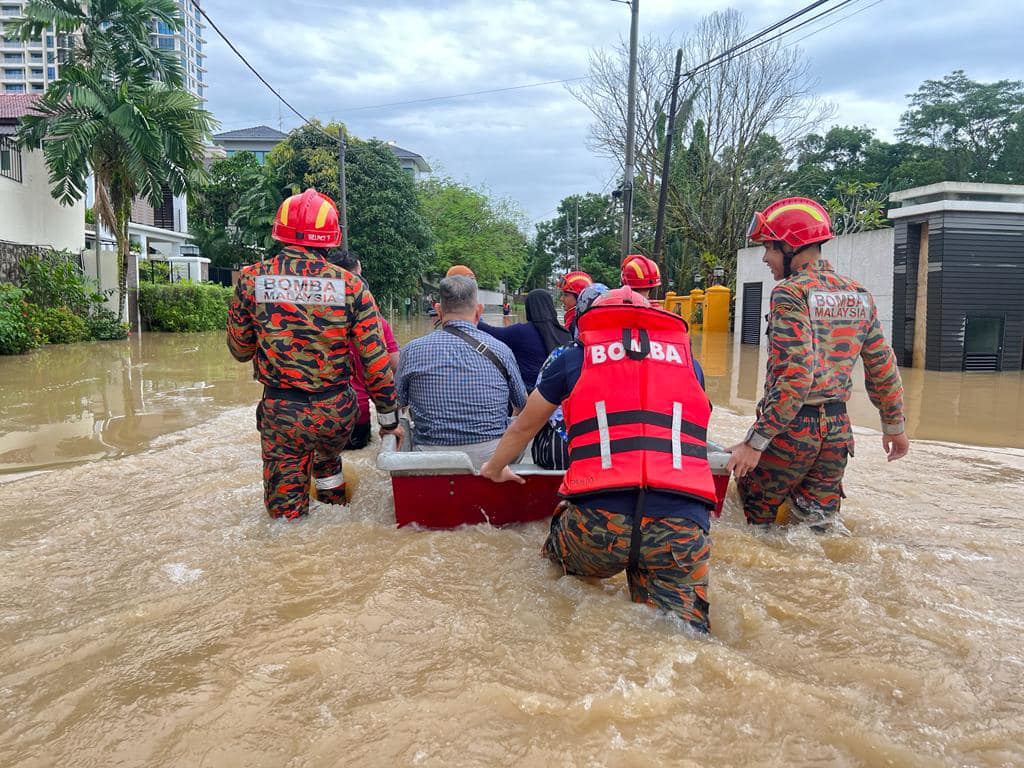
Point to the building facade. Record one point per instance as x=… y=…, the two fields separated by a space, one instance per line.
x=958 y=276
x=259 y=140
x=28 y=67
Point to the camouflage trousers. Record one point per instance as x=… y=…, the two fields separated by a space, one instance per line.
x=802 y=472
x=671 y=571
x=299 y=438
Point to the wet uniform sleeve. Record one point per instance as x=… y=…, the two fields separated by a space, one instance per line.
x=882 y=377
x=791 y=362
x=368 y=340
x=242 y=341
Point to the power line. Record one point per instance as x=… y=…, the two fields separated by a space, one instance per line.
x=251 y=67
x=844 y=18
x=468 y=93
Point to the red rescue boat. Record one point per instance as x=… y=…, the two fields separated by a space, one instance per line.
x=442 y=490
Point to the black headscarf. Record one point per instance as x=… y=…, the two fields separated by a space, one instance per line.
x=540 y=311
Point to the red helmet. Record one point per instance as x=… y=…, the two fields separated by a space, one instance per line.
x=796 y=221
x=574 y=282
x=621 y=297
x=639 y=272
x=308 y=219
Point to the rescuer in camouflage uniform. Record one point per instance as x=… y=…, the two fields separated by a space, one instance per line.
x=295 y=314
x=819 y=325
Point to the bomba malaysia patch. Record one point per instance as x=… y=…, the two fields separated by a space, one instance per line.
x=300 y=289
x=842 y=306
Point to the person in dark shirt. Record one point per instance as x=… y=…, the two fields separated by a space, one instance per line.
x=531 y=342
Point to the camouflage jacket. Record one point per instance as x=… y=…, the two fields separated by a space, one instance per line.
x=296 y=313
x=819 y=325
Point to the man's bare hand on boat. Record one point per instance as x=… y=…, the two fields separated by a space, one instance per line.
x=504 y=475
x=399 y=434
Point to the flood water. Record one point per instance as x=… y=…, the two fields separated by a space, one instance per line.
x=152 y=615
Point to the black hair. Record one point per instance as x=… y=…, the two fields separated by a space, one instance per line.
x=346 y=259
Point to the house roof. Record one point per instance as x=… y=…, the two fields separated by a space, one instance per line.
x=405 y=154
x=16 y=105
x=256 y=133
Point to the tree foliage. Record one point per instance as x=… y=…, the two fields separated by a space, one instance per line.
x=471 y=228
x=213 y=207
x=595 y=249
x=977 y=126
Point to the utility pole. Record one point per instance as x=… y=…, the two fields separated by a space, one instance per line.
x=576 y=241
x=627 y=184
x=343 y=203
x=659 y=230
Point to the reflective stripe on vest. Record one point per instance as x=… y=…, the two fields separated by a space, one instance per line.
x=637 y=417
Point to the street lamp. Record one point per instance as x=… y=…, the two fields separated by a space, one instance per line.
x=719 y=273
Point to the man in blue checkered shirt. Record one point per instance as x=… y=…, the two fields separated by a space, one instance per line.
x=458 y=381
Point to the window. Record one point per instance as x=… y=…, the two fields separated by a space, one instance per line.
x=13 y=58
x=51 y=73
x=38 y=87
x=165 y=43
x=49 y=41
x=14 y=74
x=231 y=152
x=14 y=88
x=10 y=159
x=36 y=74
x=35 y=58
x=164 y=29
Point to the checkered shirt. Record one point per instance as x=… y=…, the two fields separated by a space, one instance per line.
x=457 y=396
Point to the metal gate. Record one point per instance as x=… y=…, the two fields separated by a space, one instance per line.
x=750 y=327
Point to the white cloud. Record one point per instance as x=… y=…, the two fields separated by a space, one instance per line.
x=328 y=58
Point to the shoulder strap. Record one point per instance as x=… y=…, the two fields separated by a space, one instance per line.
x=480 y=347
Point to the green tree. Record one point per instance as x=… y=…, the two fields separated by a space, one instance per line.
x=212 y=208
x=973 y=123
x=117 y=111
x=471 y=228
x=597 y=245
x=385 y=224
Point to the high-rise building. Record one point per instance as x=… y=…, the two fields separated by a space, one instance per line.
x=188 y=42
x=27 y=67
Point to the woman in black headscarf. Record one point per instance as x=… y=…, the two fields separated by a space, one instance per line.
x=531 y=342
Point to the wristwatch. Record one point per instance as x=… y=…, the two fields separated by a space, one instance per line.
x=756 y=440
x=387 y=420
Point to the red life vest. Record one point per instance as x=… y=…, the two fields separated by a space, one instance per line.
x=637 y=417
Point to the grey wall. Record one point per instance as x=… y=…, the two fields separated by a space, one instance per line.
x=866 y=257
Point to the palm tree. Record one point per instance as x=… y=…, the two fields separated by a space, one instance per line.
x=118 y=111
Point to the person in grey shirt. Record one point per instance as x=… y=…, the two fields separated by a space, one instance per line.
x=459 y=382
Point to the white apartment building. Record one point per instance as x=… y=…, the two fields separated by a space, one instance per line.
x=27 y=67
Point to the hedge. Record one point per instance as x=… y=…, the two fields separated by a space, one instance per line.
x=184 y=306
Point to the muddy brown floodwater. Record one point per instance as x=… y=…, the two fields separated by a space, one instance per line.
x=152 y=615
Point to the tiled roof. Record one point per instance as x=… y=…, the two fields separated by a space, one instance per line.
x=16 y=105
x=256 y=132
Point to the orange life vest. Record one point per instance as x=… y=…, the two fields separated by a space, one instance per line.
x=637 y=417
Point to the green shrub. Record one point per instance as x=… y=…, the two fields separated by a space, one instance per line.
x=34 y=322
x=103 y=325
x=62 y=326
x=15 y=334
x=184 y=306
x=52 y=280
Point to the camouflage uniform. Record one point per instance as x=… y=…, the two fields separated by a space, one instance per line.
x=301 y=355
x=820 y=324
x=671 y=572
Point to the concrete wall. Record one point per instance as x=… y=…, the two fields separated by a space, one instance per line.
x=30 y=216
x=103 y=271
x=865 y=256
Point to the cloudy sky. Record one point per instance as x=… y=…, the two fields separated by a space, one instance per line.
x=344 y=59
